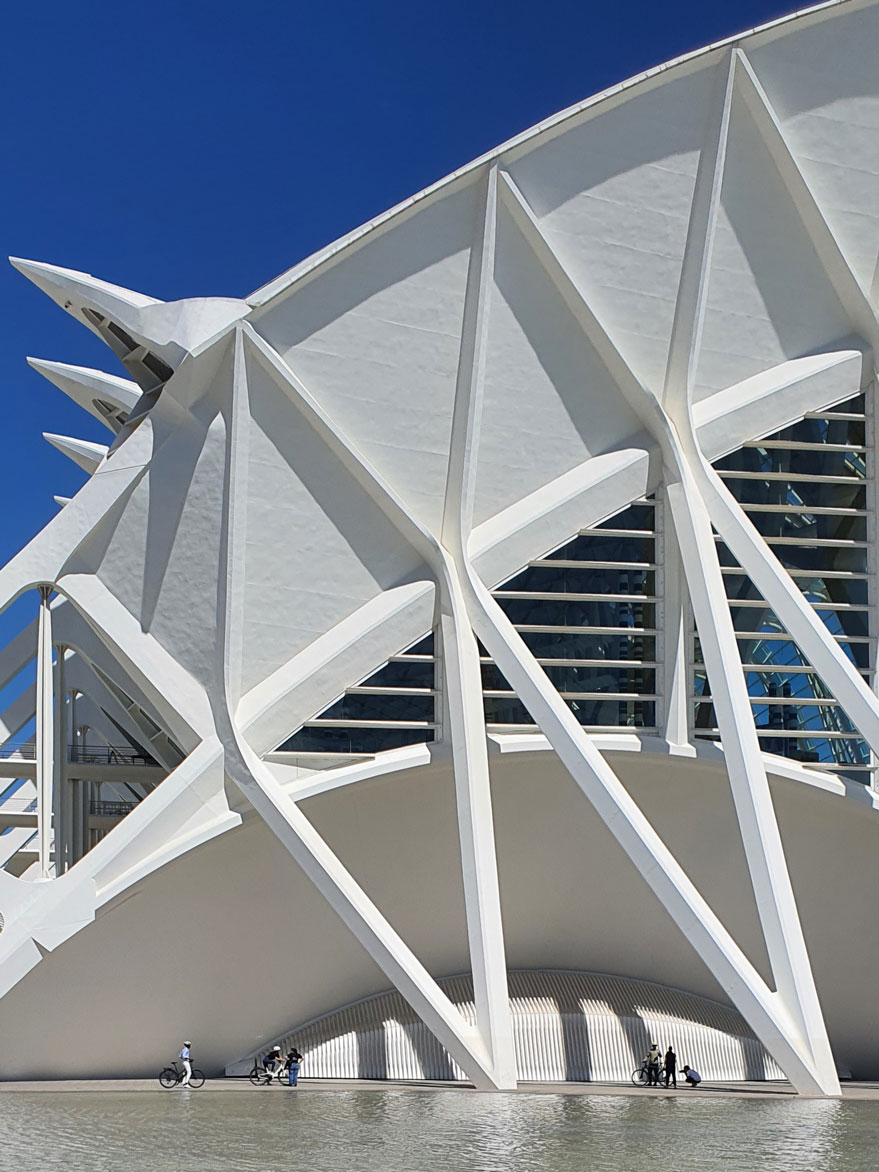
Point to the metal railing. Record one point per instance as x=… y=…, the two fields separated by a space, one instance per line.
x=108 y=755
x=83 y=755
x=111 y=809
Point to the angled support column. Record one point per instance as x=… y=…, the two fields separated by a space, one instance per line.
x=44 y=731
x=463 y=676
x=773 y=890
x=686 y=475
x=795 y=1031
x=254 y=779
x=762 y=1009
x=789 y=603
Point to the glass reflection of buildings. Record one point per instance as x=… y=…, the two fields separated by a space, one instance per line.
x=805 y=490
x=589 y=612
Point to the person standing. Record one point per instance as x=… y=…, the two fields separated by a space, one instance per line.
x=671 y=1067
x=653 y=1060
x=294 y=1061
x=185 y=1057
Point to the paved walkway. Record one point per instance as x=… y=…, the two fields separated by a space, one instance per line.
x=737 y=1090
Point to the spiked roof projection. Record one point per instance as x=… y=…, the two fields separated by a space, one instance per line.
x=303 y=484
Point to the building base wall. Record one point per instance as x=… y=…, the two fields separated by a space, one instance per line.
x=231 y=945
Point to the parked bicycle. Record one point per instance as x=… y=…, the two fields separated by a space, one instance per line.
x=173 y=1074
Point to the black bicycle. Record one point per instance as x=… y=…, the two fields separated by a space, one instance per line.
x=174 y=1074
x=641 y=1076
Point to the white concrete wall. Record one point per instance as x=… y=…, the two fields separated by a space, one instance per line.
x=231 y=945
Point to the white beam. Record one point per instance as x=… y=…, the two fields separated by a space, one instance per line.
x=44 y=732
x=268 y=798
x=762 y=1009
x=462 y=676
x=803 y=1052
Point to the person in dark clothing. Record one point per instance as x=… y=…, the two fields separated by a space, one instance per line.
x=270 y=1063
x=294 y=1061
x=671 y=1067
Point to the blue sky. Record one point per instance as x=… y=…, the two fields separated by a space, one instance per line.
x=190 y=148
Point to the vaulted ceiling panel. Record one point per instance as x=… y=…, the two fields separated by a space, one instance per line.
x=613 y=194
x=820 y=76
x=317 y=547
x=549 y=402
x=769 y=296
x=376 y=340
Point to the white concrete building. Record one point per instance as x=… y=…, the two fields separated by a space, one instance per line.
x=461 y=658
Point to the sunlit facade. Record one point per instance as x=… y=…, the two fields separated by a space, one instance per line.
x=479 y=619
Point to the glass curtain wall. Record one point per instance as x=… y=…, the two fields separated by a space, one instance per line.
x=805 y=489
x=588 y=611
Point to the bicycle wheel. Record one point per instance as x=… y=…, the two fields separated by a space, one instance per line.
x=197 y=1079
x=282 y=1075
x=257 y=1076
x=639 y=1077
x=168 y=1078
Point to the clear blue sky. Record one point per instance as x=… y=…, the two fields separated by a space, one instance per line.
x=194 y=148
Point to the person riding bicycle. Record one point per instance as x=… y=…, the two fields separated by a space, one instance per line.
x=294 y=1061
x=270 y=1062
x=185 y=1057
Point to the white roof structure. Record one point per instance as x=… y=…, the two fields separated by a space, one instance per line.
x=303 y=485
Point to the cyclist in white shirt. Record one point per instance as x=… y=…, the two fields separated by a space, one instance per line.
x=185 y=1057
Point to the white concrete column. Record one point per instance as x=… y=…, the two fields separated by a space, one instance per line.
x=60 y=763
x=44 y=731
x=68 y=749
x=761 y=838
x=675 y=673
x=77 y=786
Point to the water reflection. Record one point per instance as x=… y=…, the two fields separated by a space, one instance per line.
x=448 y=1131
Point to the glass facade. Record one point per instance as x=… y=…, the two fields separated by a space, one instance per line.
x=591 y=609
x=394 y=707
x=588 y=611
x=805 y=489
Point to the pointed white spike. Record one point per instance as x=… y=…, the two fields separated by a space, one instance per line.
x=170 y=329
x=62 y=285
x=84 y=296
x=61 y=501
x=87 y=455
x=84 y=386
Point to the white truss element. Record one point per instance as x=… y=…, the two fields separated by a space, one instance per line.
x=304 y=484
